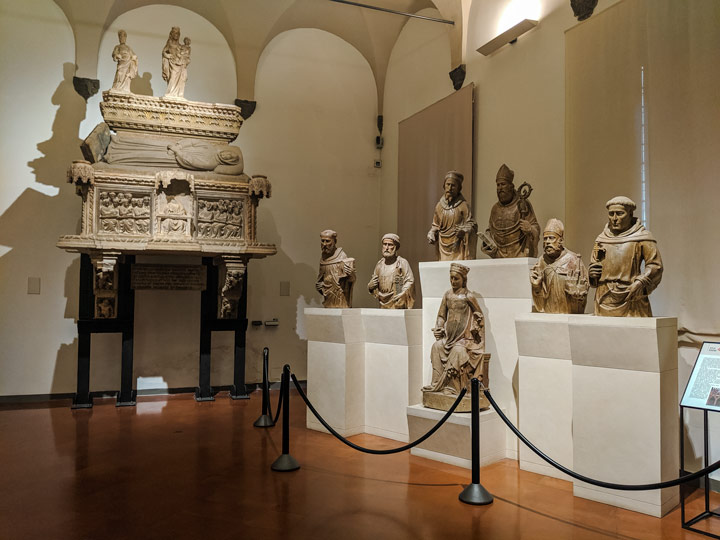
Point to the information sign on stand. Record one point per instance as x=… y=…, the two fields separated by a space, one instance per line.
x=702 y=392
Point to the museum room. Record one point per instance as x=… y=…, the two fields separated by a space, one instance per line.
x=196 y=194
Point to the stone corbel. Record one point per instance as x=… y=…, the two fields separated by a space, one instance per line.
x=105 y=285
x=260 y=186
x=232 y=286
x=81 y=173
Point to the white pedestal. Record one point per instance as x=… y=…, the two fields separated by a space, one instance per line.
x=364 y=369
x=625 y=408
x=451 y=443
x=545 y=391
x=503 y=290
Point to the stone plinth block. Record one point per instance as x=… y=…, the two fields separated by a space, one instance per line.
x=451 y=443
x=502 y=287
x=364 y=369
x=625 y=408
x=545 y=390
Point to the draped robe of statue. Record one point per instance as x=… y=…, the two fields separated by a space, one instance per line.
x=395 y=278
x=127 y=68
x=559 y=277
x=447 y=220
x=333 y=282
x=457 y=357
x=621 y=266
x=504 y=229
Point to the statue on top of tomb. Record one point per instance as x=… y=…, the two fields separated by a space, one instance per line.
x=625 y=264
x=513 y=230
x=392 y=282
x=175 y=61
x=559 y=279
x=127 y=65
x=453 y=227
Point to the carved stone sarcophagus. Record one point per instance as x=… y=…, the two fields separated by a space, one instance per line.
x=161 y=177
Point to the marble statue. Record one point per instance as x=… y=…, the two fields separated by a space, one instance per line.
x=559 y=279
x=191 y=154
x=175 y=61
x=337 y=273
x=625 y=264
x=392 y=282
x=127 y=65
x=458 y=354
x=513 y=230
x=453 y=227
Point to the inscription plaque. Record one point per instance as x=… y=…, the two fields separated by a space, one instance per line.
x=182 y=277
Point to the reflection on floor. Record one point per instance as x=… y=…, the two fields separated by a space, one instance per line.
x=200 y=470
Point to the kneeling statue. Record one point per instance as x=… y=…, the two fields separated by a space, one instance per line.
x=459 y=354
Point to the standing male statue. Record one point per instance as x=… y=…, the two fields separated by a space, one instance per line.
x=458 y=354
x=559 y=279
x=127 y=65
x=453 y=227
x=625 y=265
x=337 y=273
x=513 y=230
x=392 y=282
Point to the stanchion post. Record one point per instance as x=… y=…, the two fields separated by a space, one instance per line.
x=475 y=493
x=265 y=420
x=285 y=463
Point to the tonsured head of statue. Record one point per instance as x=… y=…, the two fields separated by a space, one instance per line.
x=620 y=214
x=328 y=239
x=553 y=238
x=452 y=186
x=504 y=184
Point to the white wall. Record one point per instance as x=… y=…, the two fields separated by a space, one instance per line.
x=313 y=134
x=417 y=77
x=40 y=119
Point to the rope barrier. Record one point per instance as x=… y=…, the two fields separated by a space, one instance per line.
x=371 y=450
x=623 y=487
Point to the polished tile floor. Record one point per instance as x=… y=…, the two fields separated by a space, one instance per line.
x=173 y=468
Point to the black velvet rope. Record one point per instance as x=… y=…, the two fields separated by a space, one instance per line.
x=624 y=487
x=371 y=450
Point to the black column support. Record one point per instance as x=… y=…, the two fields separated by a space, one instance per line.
x=475 y=493
x=208 y=314
x=82 y=398
x=239 y=390
x=285 y=463
x=126 y=303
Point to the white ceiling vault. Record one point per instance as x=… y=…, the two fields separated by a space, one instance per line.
x=249 y=25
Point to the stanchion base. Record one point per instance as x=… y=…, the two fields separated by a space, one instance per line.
x=264 y=421
x=285 y=463
x=475 y=494
x=239 y=392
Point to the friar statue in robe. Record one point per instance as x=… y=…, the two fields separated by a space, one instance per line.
x=513 y=230
x=392 y=282
x=559 y=279
x=453 y=227
x=458 y=354
x=337 y=273
x=625 y=264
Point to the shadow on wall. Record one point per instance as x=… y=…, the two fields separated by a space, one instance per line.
x=287 y=341
x=142 y=85
x=31 y=227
